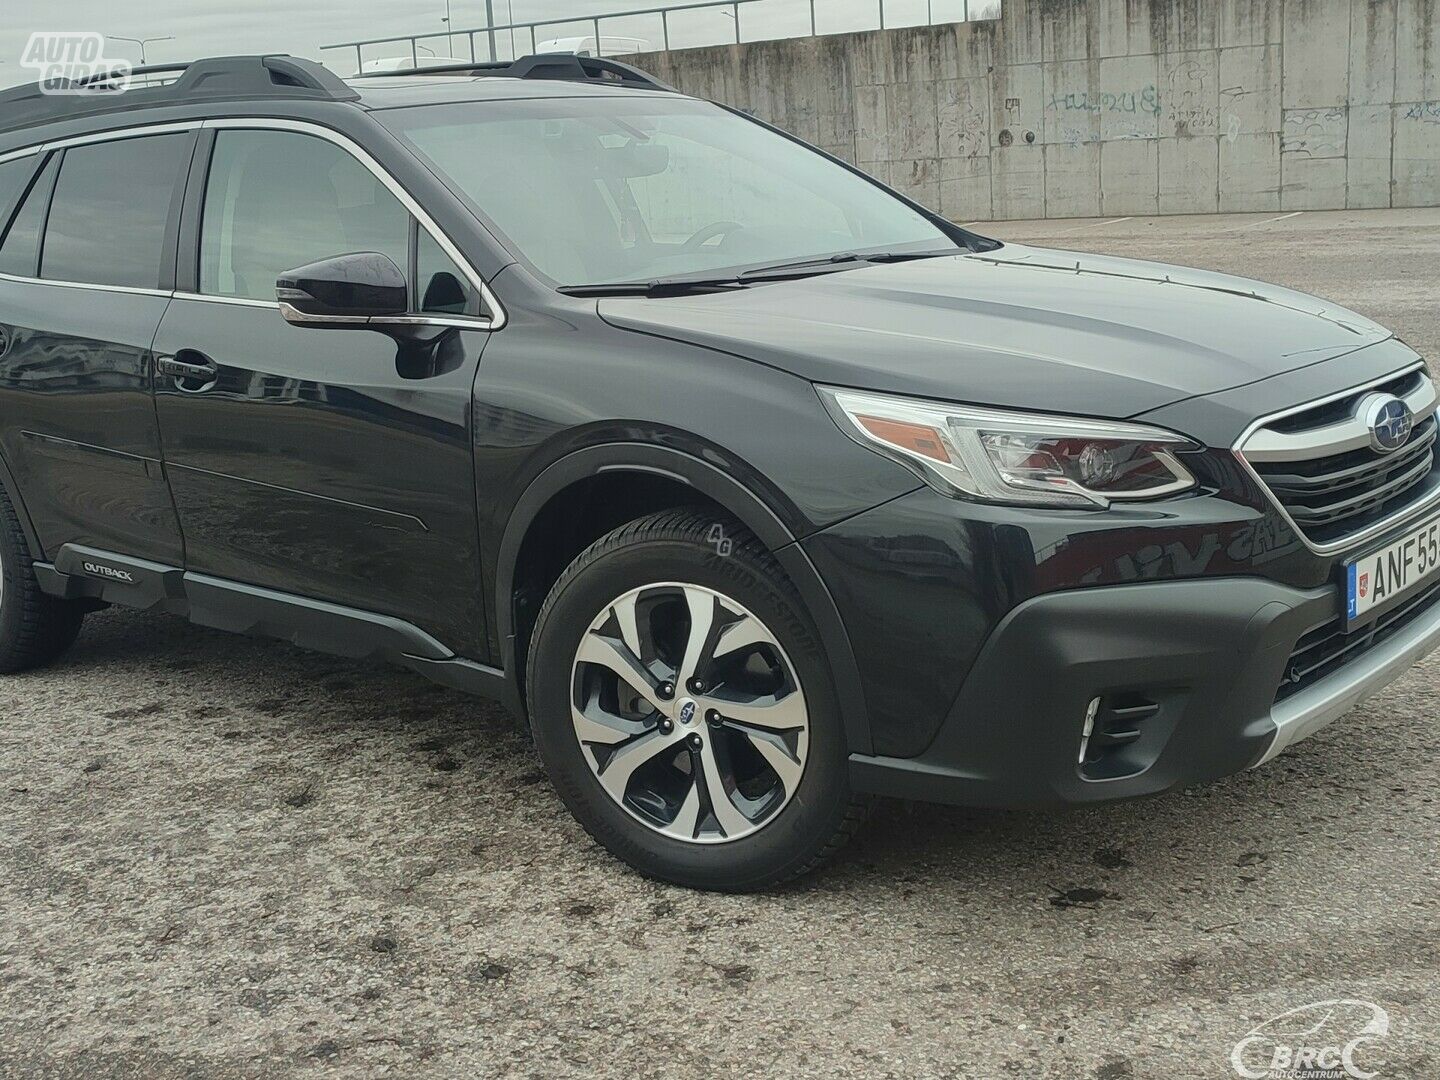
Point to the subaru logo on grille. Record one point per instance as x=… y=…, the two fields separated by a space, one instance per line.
x=1389 y=420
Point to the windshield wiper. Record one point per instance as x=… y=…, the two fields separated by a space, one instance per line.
x=658 y=287
x=682 y=286
x=846 y=260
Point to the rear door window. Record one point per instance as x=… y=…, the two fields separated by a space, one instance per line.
x=112 y=203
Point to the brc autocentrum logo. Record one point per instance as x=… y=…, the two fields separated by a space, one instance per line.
x=63 y=60
x=1329 y=1040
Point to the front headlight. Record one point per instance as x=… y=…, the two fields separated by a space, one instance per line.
x=1013 y=457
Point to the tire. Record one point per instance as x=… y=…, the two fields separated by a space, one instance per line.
x=34 y=628
x=765 y=733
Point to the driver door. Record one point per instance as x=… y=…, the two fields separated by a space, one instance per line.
x=326 y=463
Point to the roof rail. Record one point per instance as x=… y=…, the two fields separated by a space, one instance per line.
x=224 y=78
x=564 y=67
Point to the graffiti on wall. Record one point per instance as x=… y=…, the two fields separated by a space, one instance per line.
x=1427 y=112
x=964 y=119
x=1144 y=100
x=1190 y=107
x=1314 y=133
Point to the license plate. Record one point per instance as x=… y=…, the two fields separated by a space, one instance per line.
x=1394 y=571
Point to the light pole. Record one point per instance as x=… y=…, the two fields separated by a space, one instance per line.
x=449 y=41
x=735 y=14
x=142 y=42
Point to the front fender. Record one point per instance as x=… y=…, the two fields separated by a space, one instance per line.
x=718 y=486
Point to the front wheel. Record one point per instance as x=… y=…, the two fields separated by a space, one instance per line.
x=684 y=709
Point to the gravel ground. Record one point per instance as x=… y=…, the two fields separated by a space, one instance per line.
x=226 y=857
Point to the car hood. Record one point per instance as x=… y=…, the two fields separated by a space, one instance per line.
x=1019 y=327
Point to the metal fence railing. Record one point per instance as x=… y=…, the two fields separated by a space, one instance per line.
x=664 y=18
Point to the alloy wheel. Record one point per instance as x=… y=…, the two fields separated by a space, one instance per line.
x=689 y=713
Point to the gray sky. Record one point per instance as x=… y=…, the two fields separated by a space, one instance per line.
x=300 y=27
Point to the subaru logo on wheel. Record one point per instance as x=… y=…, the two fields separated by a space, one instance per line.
x=1389 y=420
x=687 y=712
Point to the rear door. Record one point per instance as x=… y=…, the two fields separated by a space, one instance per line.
x=86 y=268
x=333 y=464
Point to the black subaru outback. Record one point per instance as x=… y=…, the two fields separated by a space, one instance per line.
x=757 y=488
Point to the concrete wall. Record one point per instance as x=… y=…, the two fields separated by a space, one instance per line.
x=1066 y=108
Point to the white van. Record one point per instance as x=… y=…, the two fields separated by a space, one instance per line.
x=401 y=63
x=585 y=46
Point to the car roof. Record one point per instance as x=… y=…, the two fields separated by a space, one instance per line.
x=402 y=90
x=31 y=112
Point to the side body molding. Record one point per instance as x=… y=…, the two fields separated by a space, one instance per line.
x=739 y=501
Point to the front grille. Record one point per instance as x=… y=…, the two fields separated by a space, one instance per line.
x=1336 y=496
x=1341 y=407
x=1329 y=498
x=1327 y=648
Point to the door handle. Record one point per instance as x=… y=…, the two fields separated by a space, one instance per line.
x=194 y=368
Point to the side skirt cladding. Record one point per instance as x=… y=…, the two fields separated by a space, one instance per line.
x=87 y=573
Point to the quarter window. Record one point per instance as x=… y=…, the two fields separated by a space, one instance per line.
x=13 y=175
x=278 y=200
x=109 y=214
x=441 y=287
x=20 y=253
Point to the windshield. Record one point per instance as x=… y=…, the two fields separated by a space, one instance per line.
x=597 y=190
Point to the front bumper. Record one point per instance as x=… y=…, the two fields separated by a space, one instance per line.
x=1300 y=716
x=1188 y=670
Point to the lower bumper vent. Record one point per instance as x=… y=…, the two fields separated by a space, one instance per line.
x=1328 y=648
x=1113 y=739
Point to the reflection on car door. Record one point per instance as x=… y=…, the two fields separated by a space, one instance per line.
x=86 y=268
x=333 y=464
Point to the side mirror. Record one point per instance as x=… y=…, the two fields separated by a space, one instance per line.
x=346 y=291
